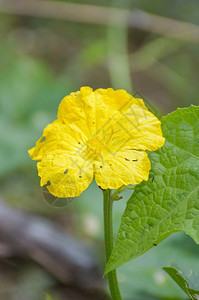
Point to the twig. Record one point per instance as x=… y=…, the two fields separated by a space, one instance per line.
x=93 y=14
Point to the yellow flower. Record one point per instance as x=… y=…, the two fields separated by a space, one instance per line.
x=101 y=134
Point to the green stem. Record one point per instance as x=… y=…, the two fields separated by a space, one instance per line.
x=108 y=238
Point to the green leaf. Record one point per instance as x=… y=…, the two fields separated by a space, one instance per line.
x=183 y=283
x=169 y=201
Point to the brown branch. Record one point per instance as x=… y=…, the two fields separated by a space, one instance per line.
x=27 y=235
x=92 y=14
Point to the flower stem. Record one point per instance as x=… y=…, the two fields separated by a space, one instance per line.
x=108 y=238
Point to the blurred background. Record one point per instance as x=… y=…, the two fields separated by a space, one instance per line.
x=47 y=50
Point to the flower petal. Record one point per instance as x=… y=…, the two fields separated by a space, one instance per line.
x=123 y=168
x=79 y=108
x=144 y=128
x=115 y=100
x=137 y=128
x=67 y=175
x=58 y=136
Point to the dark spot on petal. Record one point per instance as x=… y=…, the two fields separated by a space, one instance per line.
x=80 y=176
x=93 y=122
x=134 y=160
x=43 y=139
x=110 y=165
x=66 y=171
x=127 y=159
x=100 y=167
x=79 y=143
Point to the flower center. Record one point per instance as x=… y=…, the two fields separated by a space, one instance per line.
x=94 y=146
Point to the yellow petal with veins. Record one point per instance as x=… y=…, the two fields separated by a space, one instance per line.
x=64 y=173
x=136 y=128
x=79 y=108
x=58 y=136
x=123 y=168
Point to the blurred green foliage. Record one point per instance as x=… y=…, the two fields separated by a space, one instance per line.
x=41 y=61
